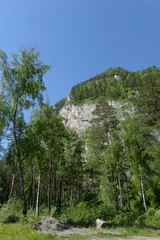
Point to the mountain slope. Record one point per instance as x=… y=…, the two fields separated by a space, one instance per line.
x=116 y=85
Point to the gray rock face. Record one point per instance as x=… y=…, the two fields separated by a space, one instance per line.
x=78 y=117
x=122 y=109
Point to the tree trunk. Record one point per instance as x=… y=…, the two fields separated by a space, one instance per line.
x=23 y=197
x=127 y=195
x=78 y=193
x=38 y=192
x=60 y=192
x=114 y=191
x=22 y=190
x=54 y=181
x=120 y=191
x=119 y=185
x=78 y=188
x=142 y=189
x=33 y=189
x=54 y=188
x=49 y=186
x=12 y=185
x=30 y=199
x=71 y=196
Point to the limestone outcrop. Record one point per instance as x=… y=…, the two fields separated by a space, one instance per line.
x=78 y=117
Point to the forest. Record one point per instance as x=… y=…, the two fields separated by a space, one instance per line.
x=111 y=171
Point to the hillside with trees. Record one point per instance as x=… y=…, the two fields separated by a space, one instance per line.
x=111 y=171
x=115 y=83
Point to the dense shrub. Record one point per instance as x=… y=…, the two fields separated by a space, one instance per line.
x=12 y=219
x=125 y=219
x=85 y=214
x=150 y=219
x=11 y=210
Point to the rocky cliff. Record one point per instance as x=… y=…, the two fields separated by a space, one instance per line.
x=78 y=117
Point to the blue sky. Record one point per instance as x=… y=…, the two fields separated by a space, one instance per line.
x=80 y=38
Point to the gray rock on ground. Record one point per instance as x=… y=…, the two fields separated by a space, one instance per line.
x=49 y=223
x=100 y=224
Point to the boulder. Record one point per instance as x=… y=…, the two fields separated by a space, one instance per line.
x=51 y=224
x=100 y=224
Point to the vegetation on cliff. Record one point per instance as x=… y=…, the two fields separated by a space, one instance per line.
x=115 y=83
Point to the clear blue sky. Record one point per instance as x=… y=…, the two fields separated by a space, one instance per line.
x=80 y=38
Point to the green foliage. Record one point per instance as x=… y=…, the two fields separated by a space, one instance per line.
x=125 y=219
x=115 y=83
x=12 y=219
x=85 y=214
x=148 y=99
x=150 y=219
x=59 y=105
x=23 y=77
x=22 y=87
x=10 y=211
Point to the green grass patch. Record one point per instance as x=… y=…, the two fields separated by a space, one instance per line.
x=135 y=231
x=129 y=232
x=110 y=235
x=148 y=232
x=19 y=231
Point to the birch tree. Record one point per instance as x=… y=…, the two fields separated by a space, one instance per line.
x=22 y=81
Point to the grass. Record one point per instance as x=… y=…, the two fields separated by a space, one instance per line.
x=131 y=231
x=135 y=231
x=20 y=231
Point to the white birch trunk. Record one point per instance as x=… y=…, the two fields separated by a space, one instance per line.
x=38 y=191
x=142 y=189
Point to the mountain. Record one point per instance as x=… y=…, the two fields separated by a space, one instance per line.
x=118 y=112
x=117 y=85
